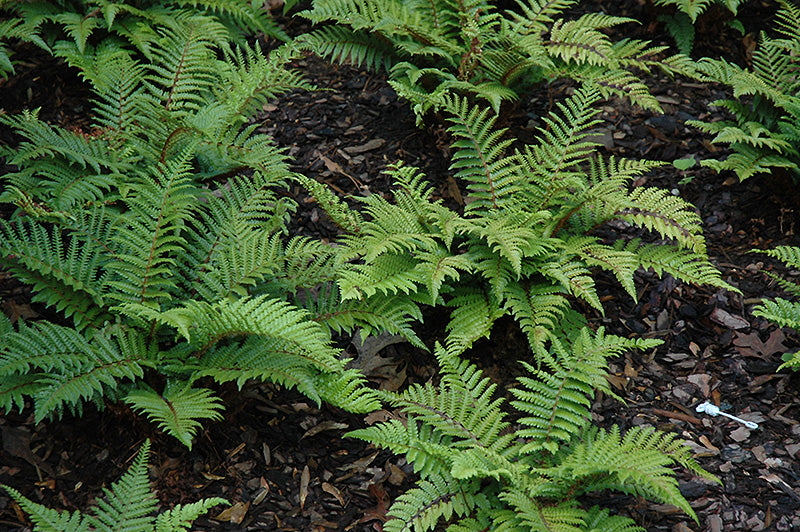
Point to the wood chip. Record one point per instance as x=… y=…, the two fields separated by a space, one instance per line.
x=373 y=144
x=305 y=478
x=322 y=427
x=728 y=320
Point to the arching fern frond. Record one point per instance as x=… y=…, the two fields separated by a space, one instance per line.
x=178 y=409
x=128 y=505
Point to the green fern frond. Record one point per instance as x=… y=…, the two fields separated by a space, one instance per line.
x=49 y=520
x=540 y=309
x=150 y=232
x=557 y=399
x=692 y=8
x=434 y=499
x=374 y=315
x=635 y=463
x=181 y=517
x=177 y=409
x=680 y=263
x=70 y=368
x=474 y=312
x=387 y=275
x=670 y=216
x=341 y=214
x=44 y=140
x=478 y=158
x=343 y=45
x=127 y=506
x=787 y=254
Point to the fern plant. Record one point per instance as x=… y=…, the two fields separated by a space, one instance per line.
x=128 y=506
x=469 y=47
x=681 y=24
x=52 y=23
x=527 y=241
x=483 y=468
x=782 y=311
x=160 y=237
x=764 y=133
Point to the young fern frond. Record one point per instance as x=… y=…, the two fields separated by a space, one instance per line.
x=178 y=409
x=151 y=231
x=69 y=369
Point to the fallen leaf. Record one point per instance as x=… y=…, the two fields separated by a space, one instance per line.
x=235 y=514
x=728 y=320
x=331 y=489
x=396 y=475
x=305 y=478
x=708 y=445
x=331 y=165
x=751 y=345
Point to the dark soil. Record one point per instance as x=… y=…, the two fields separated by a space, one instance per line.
x=283 y=462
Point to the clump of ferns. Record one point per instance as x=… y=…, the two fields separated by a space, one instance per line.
x=53 y=24
x=481 y=471
x=526 y=243
x=434 y=48
x=764 y=132
x=160 y=236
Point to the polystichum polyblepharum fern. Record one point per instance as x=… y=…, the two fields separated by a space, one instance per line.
x=469 y=47
x=527 y=240
x=764 y=133
x=480 y=472
x=128 y=506
x=159 y=235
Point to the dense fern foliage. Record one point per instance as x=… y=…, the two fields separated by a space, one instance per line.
x=681 y=23
x=159 y=236
x=52 y=24
x=128 y=506
x=479 y=473
x=765 y=131
x=527 y=241
x=782 y=311
x=444 y=46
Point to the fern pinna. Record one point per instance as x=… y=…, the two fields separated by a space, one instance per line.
x=159 y=236
x=129 y=505
x=480 y=472
x=764 y=133
x=526 y=242
x=438 y=47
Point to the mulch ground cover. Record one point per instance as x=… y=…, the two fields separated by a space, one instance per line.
x=283 y=463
